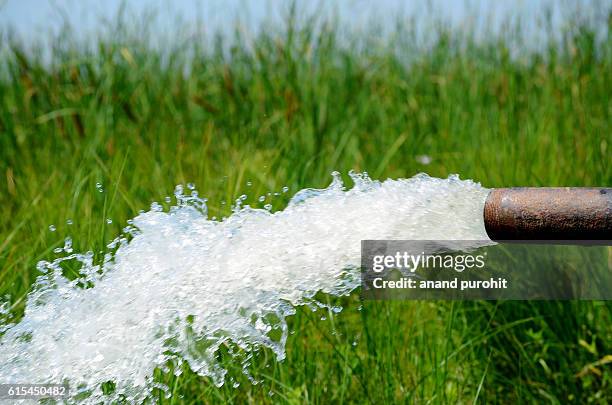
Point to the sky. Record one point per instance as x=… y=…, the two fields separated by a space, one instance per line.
x=35 y=19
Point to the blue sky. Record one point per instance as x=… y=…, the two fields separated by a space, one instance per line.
x=36 y=18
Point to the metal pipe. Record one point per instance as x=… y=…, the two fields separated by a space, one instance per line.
x=580 y=214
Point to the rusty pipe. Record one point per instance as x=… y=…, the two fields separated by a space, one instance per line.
x=580 y=214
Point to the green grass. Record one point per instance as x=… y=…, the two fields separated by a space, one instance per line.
x=287 y=109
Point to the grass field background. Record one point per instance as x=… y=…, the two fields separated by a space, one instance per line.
x=287 y=108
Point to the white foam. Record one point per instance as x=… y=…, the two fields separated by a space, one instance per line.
x=183 y=285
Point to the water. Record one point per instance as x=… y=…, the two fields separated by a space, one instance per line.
x=178 y=285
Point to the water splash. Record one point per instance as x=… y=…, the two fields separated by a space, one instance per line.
x=180 y=285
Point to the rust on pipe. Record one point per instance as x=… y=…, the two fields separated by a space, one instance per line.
x=549 y=214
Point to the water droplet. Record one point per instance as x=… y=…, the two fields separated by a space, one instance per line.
x=69 y=222
x=268 y=207
x=423 y=159
x=168 y=199
x=52 y=228
x=285 y=189
x=109 y=221
x=249 y=184
x=262 y=198
x=191 y=186
x=68 y=245
x=99 y=187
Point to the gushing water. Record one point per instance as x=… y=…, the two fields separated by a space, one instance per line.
x=179 y=285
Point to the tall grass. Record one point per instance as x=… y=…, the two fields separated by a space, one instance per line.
x=287 y=108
